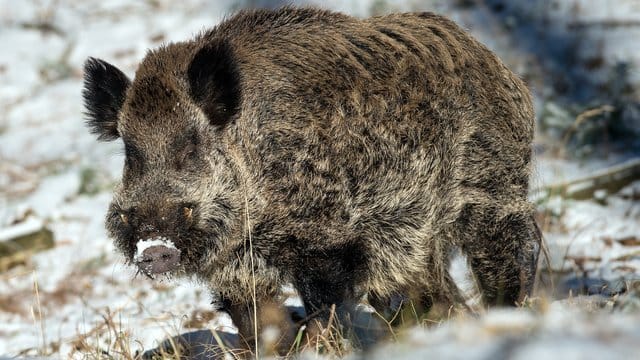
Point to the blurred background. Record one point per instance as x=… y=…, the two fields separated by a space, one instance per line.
x=65 y=293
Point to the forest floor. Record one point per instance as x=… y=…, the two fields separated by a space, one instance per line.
x=78 y=299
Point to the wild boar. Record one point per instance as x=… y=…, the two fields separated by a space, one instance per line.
x=346 y=156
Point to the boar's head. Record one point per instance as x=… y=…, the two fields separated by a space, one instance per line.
x=177 y=202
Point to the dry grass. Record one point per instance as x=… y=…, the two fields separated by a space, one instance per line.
x=87 y=344
x=253 y=275
x=109 y=339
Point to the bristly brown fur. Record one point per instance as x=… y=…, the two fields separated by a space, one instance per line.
x=367 y=151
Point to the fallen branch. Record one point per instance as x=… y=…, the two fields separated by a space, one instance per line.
x=611 y=180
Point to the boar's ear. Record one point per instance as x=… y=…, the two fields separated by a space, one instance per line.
x=214 y=82
x=104 y=92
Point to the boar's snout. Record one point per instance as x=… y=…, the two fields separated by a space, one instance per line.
x=156 y=226
x=158 y=259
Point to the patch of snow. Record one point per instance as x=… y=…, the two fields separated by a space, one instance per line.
x=26 y=227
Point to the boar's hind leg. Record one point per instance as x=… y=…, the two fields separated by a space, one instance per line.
x=502 y=248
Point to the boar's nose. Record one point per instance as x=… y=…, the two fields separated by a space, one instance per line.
x=158 y=259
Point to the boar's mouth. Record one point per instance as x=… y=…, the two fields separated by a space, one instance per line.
x=156 y=256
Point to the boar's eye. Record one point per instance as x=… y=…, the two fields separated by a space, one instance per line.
x=119 y=216
x=124 y=218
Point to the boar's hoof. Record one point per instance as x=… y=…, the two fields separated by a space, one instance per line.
x=158 y=259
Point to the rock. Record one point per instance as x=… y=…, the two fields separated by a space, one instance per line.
x=591 y=286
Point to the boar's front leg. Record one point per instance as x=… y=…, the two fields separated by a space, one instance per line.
x=326 y=278
x=242 y=315
x=319 y=298
x=275 y=330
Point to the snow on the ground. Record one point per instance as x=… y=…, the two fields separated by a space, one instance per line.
x=561 y=332
x=80 y=296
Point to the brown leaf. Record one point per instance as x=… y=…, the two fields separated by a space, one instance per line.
x=629 y=241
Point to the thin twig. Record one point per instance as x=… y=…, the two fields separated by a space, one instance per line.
x=39 y=308
x=253 y=276
x=581 y=118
